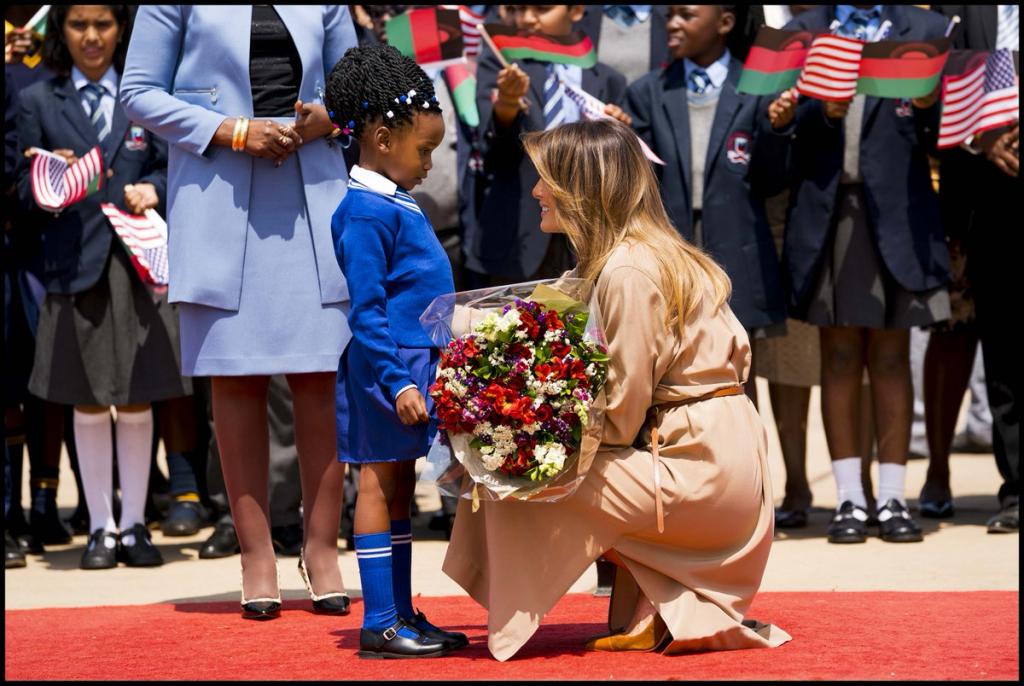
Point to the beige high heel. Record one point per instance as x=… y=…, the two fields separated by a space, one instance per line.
x=262 y=608
x=334 y=603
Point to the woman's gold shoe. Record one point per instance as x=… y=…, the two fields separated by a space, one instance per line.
x=651 y=635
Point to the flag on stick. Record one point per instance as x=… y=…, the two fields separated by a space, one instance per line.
x=592 y=108
x=902 y=69
x=55 y=184
x=831 y=69
x=774 y=61
x=145 y=239
x=979 y=92
x=462 y=85
x=429 y=35
x=470 y=33
x=514 y=44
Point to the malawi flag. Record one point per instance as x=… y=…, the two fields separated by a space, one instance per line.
x=902 y=69
x=431 y=36
x=576 y=48
x=462 y=85
x=774 y=61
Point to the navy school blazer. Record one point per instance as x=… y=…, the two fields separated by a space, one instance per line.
x=78 y=240
x=902 y=207
x=501 y=221
x=746 y=163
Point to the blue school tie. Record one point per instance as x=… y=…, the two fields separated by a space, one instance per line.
x=554 y=112
x=93 y=93
x=861 y=24
x=698 y=81
x=1009 y=27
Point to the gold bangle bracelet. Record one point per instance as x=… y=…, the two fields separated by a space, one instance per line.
x=245 y=134
x=238 y=135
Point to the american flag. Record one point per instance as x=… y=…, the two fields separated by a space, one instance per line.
x=831 y=69
x=984 y=98
x=55 y=184
x=145 y=237
x=592 y=108
x=470 y=33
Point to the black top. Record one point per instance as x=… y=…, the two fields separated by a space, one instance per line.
x=275 y=69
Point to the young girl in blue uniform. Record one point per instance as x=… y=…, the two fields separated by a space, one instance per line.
x=395 y=267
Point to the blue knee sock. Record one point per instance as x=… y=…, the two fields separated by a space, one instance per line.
x=373 y=551
x=401 y=575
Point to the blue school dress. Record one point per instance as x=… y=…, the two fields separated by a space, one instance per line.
x=395 y=267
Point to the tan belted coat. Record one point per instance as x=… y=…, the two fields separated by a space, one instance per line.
x=517 y=559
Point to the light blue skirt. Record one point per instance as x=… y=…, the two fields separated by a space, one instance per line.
x=280 y=326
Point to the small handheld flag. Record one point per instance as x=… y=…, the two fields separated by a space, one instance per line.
x=774 y=61
x=514 y=44
x=462 y=85
x=902 y=69
x=429 y=35
x=831 y=69
x=145 y=239
x=55 y=184
x=980 y=92
x=592 y=108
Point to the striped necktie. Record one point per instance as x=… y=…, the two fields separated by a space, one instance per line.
x=93 y=93
x=698 y=81
x=1009 y=27
x=554 y=112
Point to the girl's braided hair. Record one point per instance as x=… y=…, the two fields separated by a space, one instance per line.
x=377 y=83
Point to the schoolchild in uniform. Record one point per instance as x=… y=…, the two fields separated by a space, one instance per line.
x=103 y=340
x=395 y=267
x=500 y=230
x=724 y=152
x=866 y=260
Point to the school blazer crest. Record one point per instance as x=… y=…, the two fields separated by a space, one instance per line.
x=187 y=70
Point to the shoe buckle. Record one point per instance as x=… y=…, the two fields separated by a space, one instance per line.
x=390 y=633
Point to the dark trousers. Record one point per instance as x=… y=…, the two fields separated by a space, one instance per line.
x=285 y=488
x=994 y=272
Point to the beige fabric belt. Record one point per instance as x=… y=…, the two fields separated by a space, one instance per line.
x=652 y=422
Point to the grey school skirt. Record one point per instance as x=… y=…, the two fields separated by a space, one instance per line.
x=111 y=344
x=855 y=287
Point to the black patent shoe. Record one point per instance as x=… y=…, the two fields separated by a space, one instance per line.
x=287 y=539
x=223 y=542
x=136 y=549
x=790 y=519
x=13 y=557
x=390 y=644
x=335 y=603
x=184 y=518
x=895 y=524
x=261 y=609
x=453 y=639
x=100 y=551
x=1007 y=521
x=47 y=528
x=849 y=524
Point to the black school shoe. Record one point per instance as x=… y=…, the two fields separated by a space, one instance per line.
x=849 y=524
x=13 y=557
x=453 y=639
x=895 y=524
x=100 y=551
x=136 y=549
x=390 y=644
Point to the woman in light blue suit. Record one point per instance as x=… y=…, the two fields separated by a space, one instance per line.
x=253 y=180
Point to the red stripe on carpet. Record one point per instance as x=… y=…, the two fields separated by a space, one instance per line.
x=863 y=636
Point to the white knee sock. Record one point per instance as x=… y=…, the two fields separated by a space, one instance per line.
x=134 y=444
x=892 y=481
x=847 y=474
x=96 y=465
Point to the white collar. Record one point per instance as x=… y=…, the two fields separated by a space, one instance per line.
x=108 y=81
x=374 y=181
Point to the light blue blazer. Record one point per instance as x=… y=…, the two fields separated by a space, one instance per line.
x=187 y=70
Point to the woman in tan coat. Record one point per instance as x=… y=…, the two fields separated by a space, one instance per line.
x=689 y=523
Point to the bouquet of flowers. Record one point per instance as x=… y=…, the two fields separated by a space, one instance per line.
x=518 y=395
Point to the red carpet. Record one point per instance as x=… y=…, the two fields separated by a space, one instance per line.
x=862 y=636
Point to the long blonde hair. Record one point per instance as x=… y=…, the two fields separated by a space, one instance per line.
x=605 y=194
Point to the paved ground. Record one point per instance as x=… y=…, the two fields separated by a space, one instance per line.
x=955 y=555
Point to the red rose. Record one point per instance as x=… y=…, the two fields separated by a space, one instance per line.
x=543 y=412
x=560 y=349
